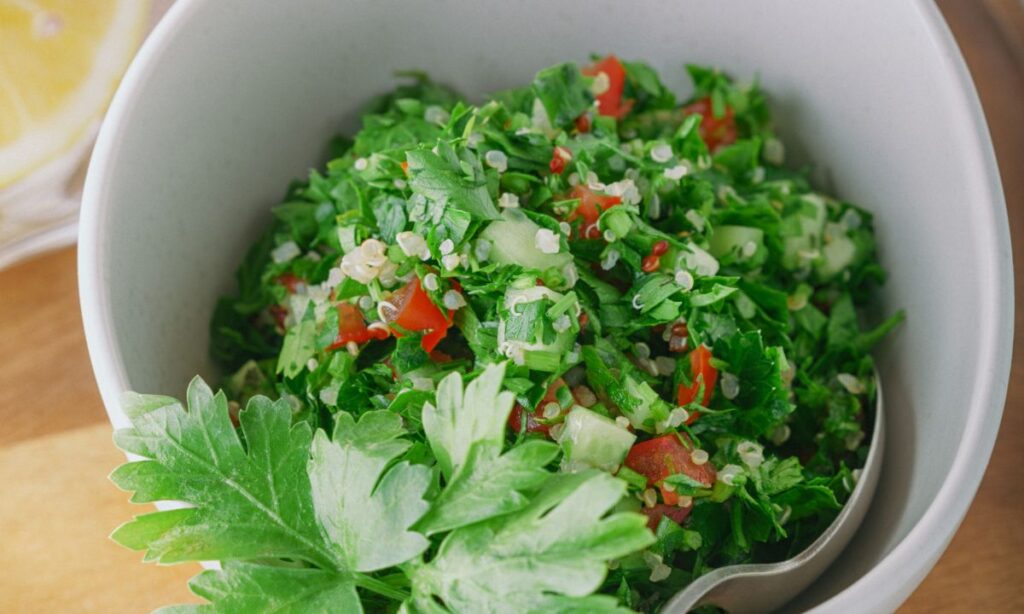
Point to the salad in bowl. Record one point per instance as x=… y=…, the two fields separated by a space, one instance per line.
x=564 y=350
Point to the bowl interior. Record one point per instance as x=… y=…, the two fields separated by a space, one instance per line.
x=230 y=100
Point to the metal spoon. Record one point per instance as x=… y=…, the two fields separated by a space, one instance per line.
x=765 y=587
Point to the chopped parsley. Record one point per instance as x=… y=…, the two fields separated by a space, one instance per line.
x=561 y=351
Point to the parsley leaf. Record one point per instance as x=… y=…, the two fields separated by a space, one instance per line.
x=442 y=180
x=563 y=92
x=358 y=504
x=466 y=431
x=249 y=502
x=548 y=556
x=249 y=587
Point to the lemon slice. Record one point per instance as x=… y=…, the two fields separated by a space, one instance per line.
x=60 y=61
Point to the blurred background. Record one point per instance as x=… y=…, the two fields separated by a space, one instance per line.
x=60 y=62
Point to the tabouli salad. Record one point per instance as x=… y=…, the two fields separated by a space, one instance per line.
x=562 y=351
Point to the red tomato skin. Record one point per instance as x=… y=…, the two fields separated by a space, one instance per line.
x=582 y=123
x=533 y=425
x=533 y=419
x=279 y=314
x=559 y=157
x=717 y=132
x=665 y=455
x=589 y=210
x=650 y=263
x=700 y=367
x=416 y=312
x=351 y=327
x=290 y=282
x=609 y=102
x=675 y=513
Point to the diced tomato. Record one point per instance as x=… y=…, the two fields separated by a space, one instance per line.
x=678 y=338
x=716 y=131
x=414 y=311
x=582 y=123
x=440 y=357
x=662 y=456
x=279 y=314
x=290 y=282
x=609 y=102
x=559 y=157
x=674 y=512
x=700 y=371
x=650 y=263
x=405 y=167
x=533 y=419
x=351 y=327
x=584 y=319
x=589 y=210
x=533 y=425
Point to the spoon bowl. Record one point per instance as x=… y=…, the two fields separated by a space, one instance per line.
x=765 y=587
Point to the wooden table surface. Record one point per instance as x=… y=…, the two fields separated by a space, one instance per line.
x=54 y=518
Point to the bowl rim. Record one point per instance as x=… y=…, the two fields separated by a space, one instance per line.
x=899 y=571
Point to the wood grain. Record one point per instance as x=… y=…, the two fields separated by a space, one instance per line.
x=46 y=382
x=55 y=553
x=55 y=516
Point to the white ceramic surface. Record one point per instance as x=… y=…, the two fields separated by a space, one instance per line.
x=230 y=99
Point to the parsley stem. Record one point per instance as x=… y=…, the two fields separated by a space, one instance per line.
x=380 y=587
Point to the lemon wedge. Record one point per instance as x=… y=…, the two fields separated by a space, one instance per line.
x=60 y=61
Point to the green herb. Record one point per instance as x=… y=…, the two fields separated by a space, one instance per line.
x=432 y=309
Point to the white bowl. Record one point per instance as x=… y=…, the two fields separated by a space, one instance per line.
x=230 y=99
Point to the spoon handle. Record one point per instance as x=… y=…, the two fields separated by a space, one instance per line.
x=765 y=587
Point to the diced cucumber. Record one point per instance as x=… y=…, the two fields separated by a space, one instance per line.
x=541 y=347
x=809 y=221
x=617 y=220
x=647 y=409
x=513 y=242
x=733 y=240
x=591 y=440
x=836 y=255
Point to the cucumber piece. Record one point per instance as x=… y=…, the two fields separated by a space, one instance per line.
x=617 y=220
x=809 y=220
x=526 y=334
x=836 y=255
x=513 y=242
x=591 y=440
x=730 y=243
x=646 y=409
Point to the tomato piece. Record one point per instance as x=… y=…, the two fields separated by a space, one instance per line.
x=351 y=327
x=290 y=282
x=533 y=424
x=650 y=263
x=589 y=210
x=716 y=131
x=609 y=102
x=582 y=123
x=700 y=371
x=679 y=338
x=559 y=157
x=279 y=314
x=674 y=512
x=665 y=455
x=414 y=311
x=534 y=419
